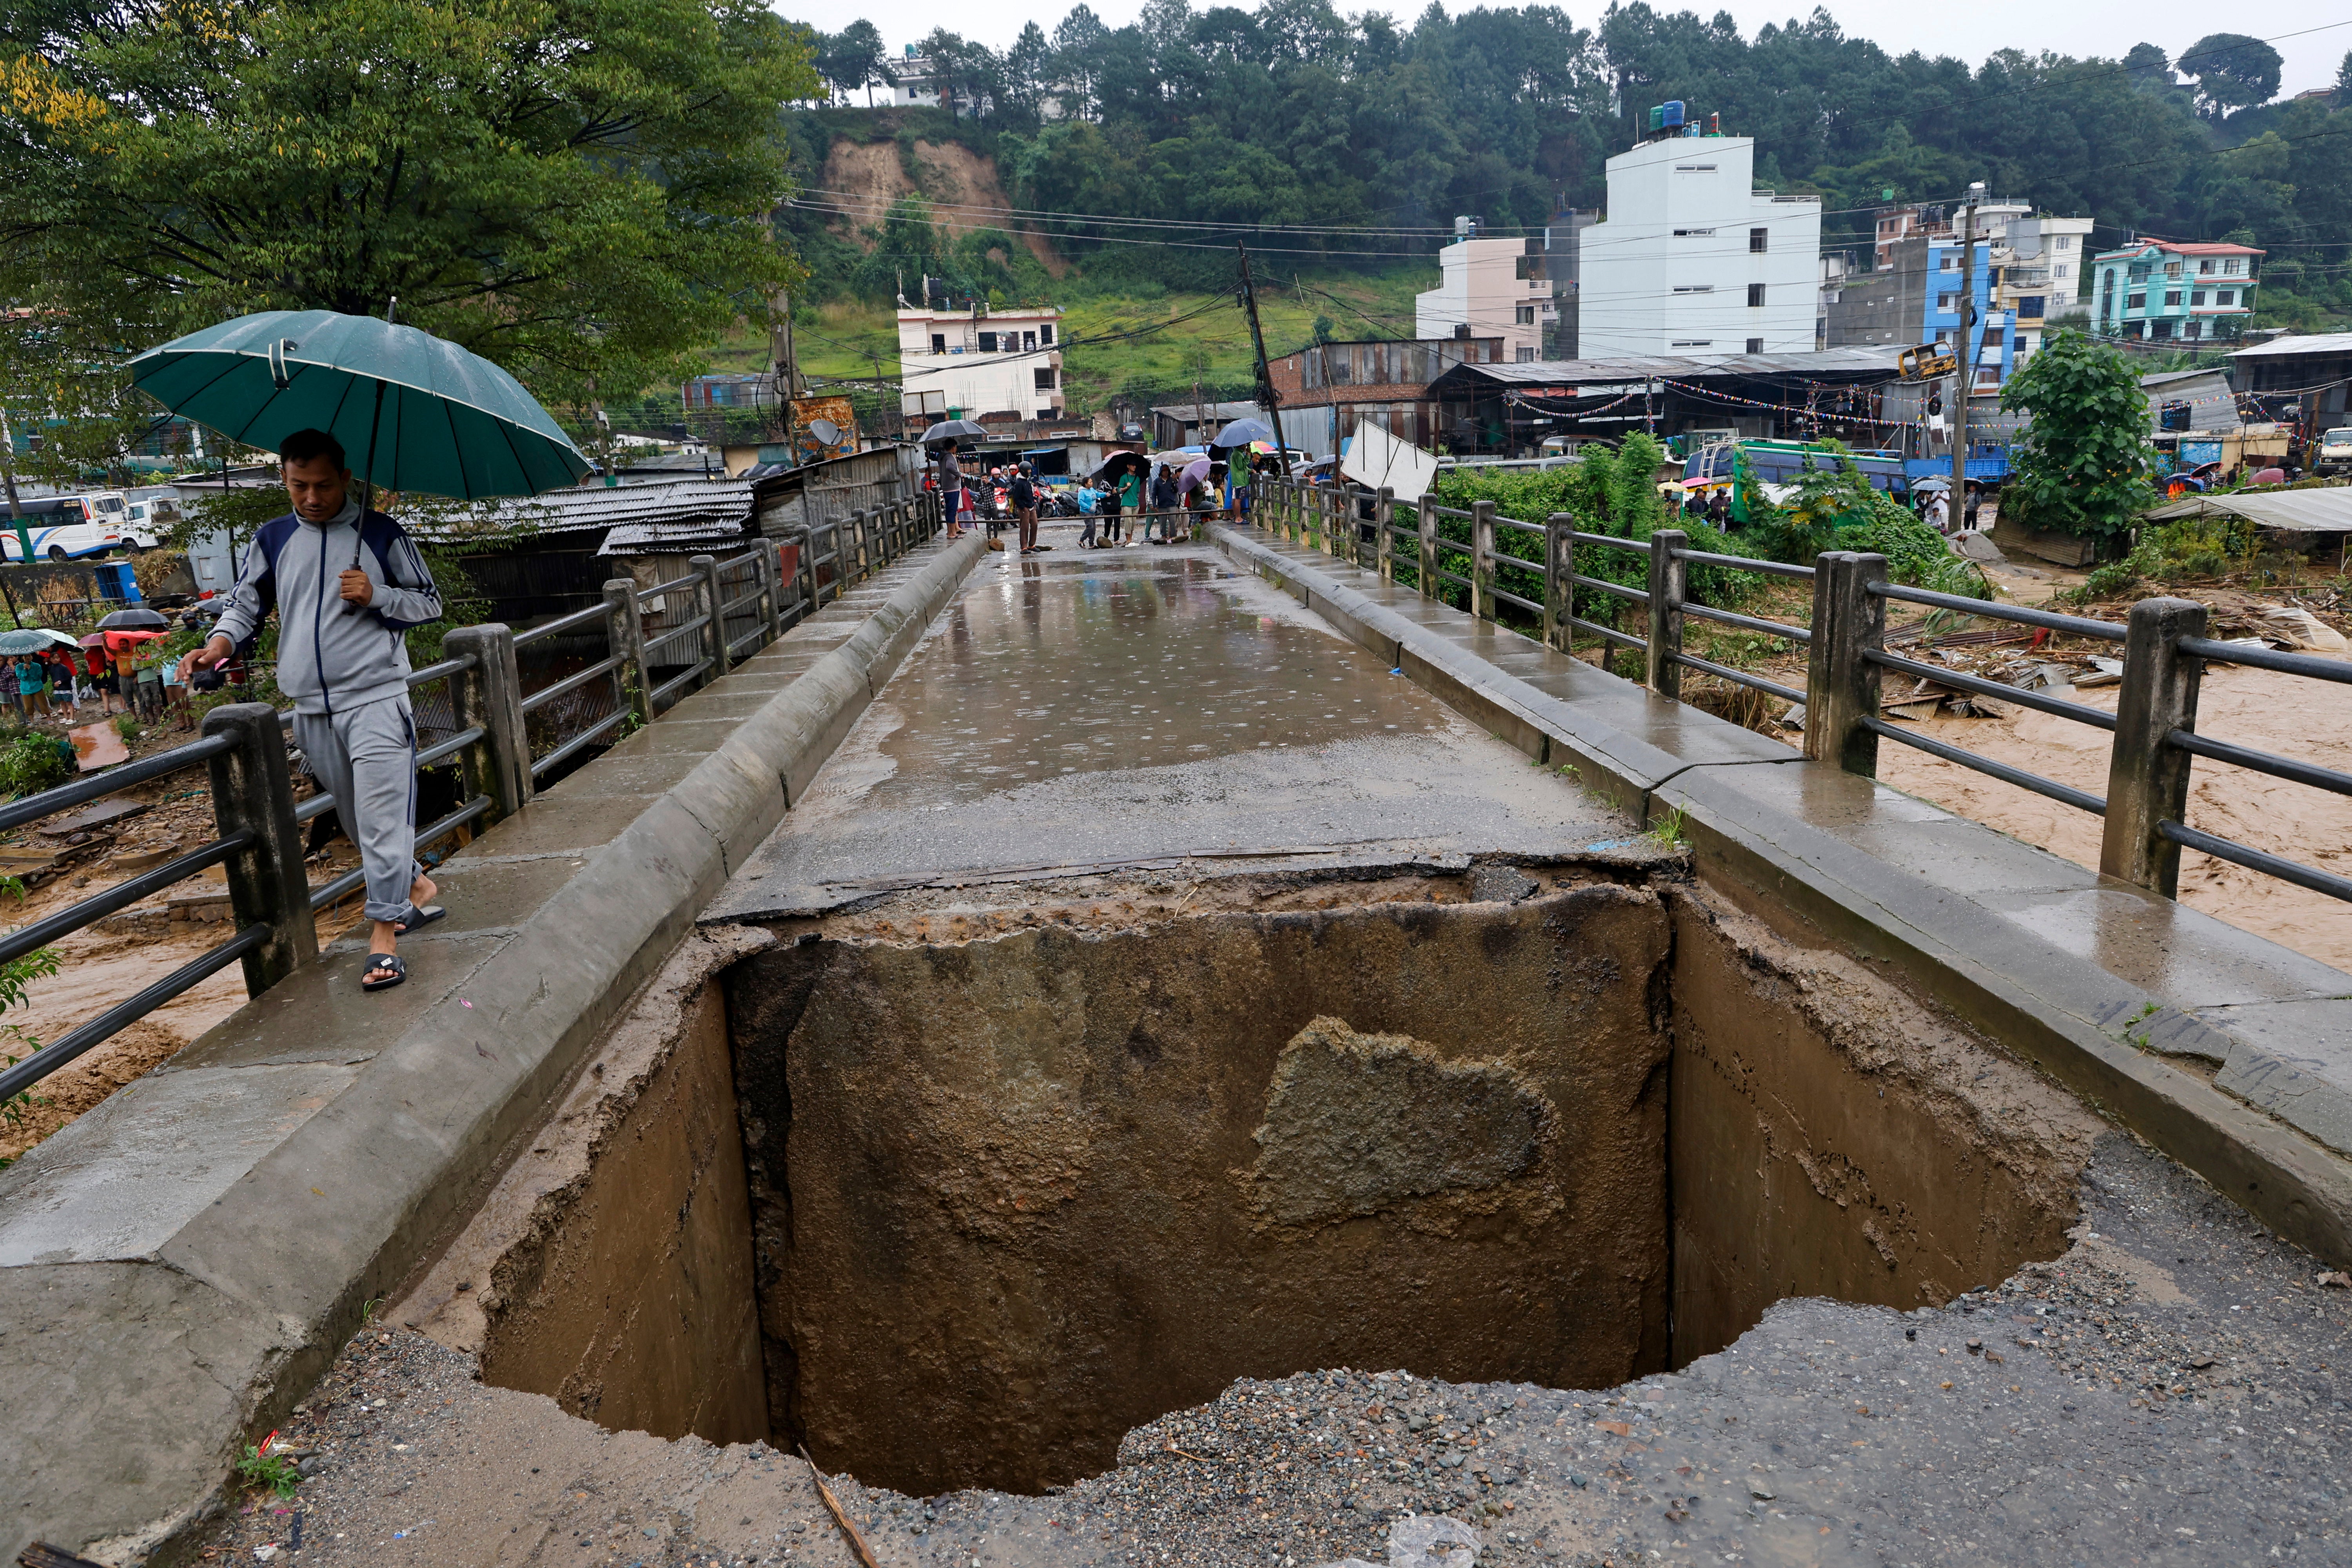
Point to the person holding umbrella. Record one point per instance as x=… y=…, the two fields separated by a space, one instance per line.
x=347 y=584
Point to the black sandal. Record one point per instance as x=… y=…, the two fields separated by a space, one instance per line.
x=388 y=961
x=421 y=915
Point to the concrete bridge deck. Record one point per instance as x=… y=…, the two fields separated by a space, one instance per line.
x=191 y=1255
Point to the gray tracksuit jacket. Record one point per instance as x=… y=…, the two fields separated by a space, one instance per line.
x=332 y=656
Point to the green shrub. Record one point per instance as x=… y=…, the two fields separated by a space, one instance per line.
x=31 y=762
x=1833 y=507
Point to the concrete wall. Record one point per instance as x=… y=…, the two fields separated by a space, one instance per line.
x=1831 y=1137
x=1015 y=1197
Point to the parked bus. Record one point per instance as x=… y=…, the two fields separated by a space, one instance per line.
x=1773 y=466
x=72 y=528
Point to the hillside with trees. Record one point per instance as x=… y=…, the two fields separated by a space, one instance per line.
x=1351 y=143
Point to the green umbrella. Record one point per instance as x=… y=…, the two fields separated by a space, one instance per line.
x=412 y=412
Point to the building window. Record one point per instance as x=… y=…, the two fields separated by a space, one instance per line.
x=1689 y=233
x=2192 y=329
x=1028 y=339
x=1755 y=345
x=1046 y=381
x=2205 y=266
x=1756 y=296
x=2225 y=297
x=2136 y=302
x=1526 y=356
x=2065 y=242
x=1694 y=342
x=1989 y=376
x=1525 y=315
x=2172 y=299
x=2061 y=270
x=1947 y=302
x=2230 y=264
x=2197 y=296
x=2172 y=270
x=2030 y=306
x=938 y=343
x=1759 y=238
x=1694 y=288
x=2017 y=344
x=988 y=342
x=2159 y=329
x=1948 y=263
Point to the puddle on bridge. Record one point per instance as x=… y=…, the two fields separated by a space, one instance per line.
x=1045 y=670
x=1104 y=709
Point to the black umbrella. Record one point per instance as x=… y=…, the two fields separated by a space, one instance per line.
x=1118 y=461
x=134 y=621
x=1242 y=432
x=954 y=430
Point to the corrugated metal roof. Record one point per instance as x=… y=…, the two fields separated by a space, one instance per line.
x=2307 y=343
x=1682 y=367
x=669 y=538
x=715 y=506
x=2325 y=510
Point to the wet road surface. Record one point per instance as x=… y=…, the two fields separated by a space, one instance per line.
x=1096 y=708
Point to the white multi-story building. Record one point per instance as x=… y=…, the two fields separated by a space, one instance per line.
x=2042 y=277
x=981 y=362
x=1693 y=259
x=1489 y=289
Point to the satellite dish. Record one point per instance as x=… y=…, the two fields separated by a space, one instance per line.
x=826 y=432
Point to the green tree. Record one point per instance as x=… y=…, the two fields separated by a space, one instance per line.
x=2233 y=71
x=852 y=59
x=580 y=193
x=2085 y=466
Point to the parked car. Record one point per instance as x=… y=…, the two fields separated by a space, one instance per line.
x=2335 y=454
x=71 y=528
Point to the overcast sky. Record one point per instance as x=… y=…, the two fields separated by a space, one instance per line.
x=1898 y=26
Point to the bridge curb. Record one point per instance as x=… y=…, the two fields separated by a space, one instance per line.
x=172 y=1278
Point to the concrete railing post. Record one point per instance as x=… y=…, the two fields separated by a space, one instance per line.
x=1482 y=561
x=1840 y=682
x=490 y=695
x=1669 y=580
x=1428 y=571
x=253 y=792
x=627 y=630
x=1385 y=534
x=2147 y=777
x=1559 y=574
x=713 y=592
x=772 y=562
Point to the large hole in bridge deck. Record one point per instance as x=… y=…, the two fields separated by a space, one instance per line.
x=1011 y=1182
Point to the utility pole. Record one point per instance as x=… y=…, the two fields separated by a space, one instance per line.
x=784 y=366
x=1959 y=500
x=1267 y=399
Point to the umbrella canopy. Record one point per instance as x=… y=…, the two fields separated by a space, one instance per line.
x=134 y=620
x=1198 y=469
x=1242 y=432
x=1931 y=483
x=954 y=430
x=95 y=639
x=1118 y=461
x=35 y=639
x=412 y=412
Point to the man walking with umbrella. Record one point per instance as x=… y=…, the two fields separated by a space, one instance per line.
x=347 y=586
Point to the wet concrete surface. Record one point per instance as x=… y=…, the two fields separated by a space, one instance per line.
x=2171 y=1391
x=1110 y=707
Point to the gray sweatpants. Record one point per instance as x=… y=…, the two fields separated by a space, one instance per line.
x=366 y=758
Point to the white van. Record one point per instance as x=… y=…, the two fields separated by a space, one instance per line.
x=71 y=528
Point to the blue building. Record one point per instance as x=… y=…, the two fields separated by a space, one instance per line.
x=1991 y=344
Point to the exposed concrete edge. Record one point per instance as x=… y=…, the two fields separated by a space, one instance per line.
x=1963 y=956
x=2289 y=1181
x=274 y=1276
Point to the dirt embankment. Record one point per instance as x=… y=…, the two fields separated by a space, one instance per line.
x=962 y=186
x=2282 y=714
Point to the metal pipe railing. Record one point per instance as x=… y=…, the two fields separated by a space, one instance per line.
x=2154 y=726
x=252 y=787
